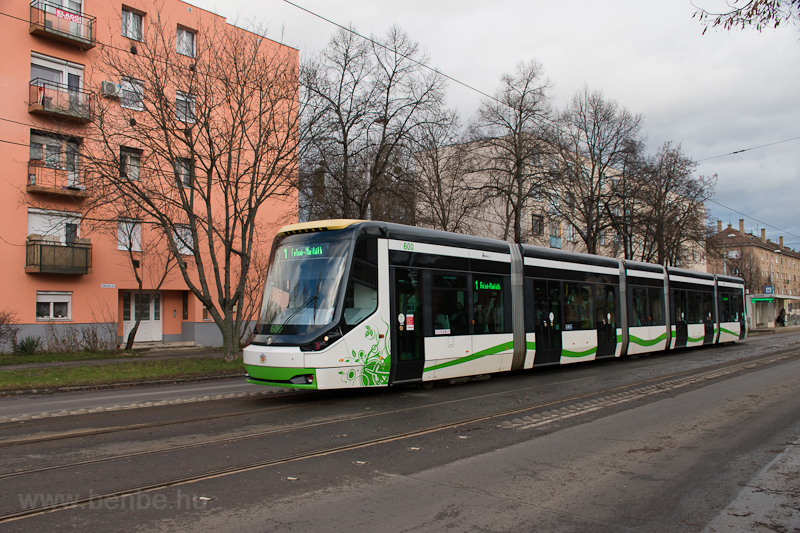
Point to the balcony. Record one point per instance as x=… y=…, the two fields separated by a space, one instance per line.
x=63 y=24
x=45 y=255
x=55 y=181
x=57 y=100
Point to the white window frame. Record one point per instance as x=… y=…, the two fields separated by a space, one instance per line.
x=130 y=160
x=185 y=41
x=53 y=224
x=132 y=93
x=184 y=107
x=129 y=235
x=537 y=225
x=183 y=239
x=52 y=298
x=64 y=67
x=128 y=20
x=184 y=170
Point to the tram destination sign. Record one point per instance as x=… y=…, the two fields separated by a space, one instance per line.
x=303 y=252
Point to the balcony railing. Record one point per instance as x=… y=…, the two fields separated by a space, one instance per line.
x=49 y=257
x=59 y=181
x=63 y=24
x=55 y=99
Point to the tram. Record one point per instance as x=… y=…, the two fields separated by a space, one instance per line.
x=351 y=303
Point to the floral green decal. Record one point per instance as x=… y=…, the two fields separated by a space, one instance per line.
x=372 y=360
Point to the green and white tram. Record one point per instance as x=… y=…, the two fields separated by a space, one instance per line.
x=352 y=303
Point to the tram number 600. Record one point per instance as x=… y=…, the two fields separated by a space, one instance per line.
x=408 y=246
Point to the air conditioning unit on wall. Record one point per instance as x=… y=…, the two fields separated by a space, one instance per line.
x=109 y=89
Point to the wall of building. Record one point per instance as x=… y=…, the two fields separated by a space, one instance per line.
x=97 y=295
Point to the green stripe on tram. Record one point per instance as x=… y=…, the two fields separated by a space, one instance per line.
x=477 y=355
x=729 y=332
x=575 y=355
x=642 y=342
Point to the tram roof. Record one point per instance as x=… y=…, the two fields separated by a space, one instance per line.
x=570 y=257
x=646 y=267
x=689 y=273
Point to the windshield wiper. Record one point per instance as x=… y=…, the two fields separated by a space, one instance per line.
x=314 y=299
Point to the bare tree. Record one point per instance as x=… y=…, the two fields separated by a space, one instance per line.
x=759 y=13
x=594 y=138
x=746 y=266
x=511 y=144
x=363 y=104
x=622 y=208
x=671 y=204
x=445 y=198
x=214 y=131
x=9 y=327
x=148 y=263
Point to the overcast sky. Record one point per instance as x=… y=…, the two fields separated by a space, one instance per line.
x=713 y=94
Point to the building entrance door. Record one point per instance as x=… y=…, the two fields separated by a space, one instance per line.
x=150 y=328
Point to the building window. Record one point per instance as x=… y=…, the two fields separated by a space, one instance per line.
x=132 y=94
x=184 y=172
x=184 y=106
x=131 y=24
x=183 y=239
x=56 y=226
x=206 y=314
x=185 y=42
x=51 y=70
x=53 y=305
x=537 y=225
x=129 y=235
x=130 y=162
x=570 y=233
x=185 y=305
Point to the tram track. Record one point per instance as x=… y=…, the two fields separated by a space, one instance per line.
x=77 y=434
x=602 y=399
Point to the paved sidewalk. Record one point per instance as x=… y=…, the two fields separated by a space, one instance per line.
x=770 y=501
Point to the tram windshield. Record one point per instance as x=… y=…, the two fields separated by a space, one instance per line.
x=305 y=273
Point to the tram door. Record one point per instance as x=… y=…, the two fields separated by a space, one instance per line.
x=680 y=317
x=606 y=309
x=547 y=302
x=408 y=341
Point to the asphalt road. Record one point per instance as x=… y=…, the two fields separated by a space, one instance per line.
x=699 y=440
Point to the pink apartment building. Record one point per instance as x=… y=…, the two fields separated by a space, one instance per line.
x=55 y=268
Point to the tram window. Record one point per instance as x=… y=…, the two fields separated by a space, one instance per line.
x=681 y=306
x=487 y=304
x=448 y=299
x=640 y=307
x=695 y=315
x=578 y=308
x=361 y=296
x=708 y=307
x=724 y=307
x=727 y=307
x=606 y=305
x=656 y=306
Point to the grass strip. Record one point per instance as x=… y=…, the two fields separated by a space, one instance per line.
x=6 y=359
x=127 y=372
